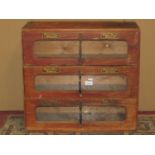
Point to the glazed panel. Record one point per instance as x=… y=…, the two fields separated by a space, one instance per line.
x=47 y=49
x=105 y=49
x=104 y=82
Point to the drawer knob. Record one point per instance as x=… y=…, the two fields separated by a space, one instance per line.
x=107 y=45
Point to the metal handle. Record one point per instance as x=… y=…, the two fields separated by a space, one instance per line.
x=108 y=70
x=50 y=70
x=50 y=35
x=109 y=35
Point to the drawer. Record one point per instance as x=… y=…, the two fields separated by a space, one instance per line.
x=104 y=49
x=110 y=47
x=56 y=49
x=104 y=82
x=80 y=81
x=110 y=114
x=58 y=114
x=85 y=48
x=51 y=81
x=81 y=115
x=57 y=83
x=50 y=48
x=52 y=112
x=109 y=81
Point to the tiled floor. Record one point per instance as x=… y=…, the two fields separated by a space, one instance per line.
x=12 y=123
x=5 y=114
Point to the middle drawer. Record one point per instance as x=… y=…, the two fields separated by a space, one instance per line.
x=80 y=81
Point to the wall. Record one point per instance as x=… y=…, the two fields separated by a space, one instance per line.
x=11 y=87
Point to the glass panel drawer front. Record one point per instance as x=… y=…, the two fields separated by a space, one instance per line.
x=105 y=49
x=56 y=82
x=47 y=49
x=80 y=48
x=81 y=114
x=76 y=80
x=104 y=82
x=103 y=113
x=58 y=114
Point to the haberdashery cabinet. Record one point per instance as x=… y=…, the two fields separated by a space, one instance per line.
x=81 y=76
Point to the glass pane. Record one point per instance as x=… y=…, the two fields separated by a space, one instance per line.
x=103 y=113
x=104 y=49
x=65 y=114
x=56 y=48
x=56 y=82
x=104 y=82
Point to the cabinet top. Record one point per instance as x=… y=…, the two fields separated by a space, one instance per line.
x=79 y=25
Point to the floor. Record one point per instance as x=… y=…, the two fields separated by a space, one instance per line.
x=5 y=114
x=12 y=123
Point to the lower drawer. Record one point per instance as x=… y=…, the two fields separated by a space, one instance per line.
x=81 y=115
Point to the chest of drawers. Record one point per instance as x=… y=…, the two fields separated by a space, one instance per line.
x=81 y=76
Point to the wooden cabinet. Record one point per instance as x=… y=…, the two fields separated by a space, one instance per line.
x=81 y=76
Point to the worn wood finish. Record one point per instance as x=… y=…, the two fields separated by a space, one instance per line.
x=81 y=76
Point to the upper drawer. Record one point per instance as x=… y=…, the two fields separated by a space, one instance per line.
x=50 y=48
x=85 y=48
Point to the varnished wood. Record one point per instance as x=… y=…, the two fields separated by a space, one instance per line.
x=78 y=24
x=74 y=54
